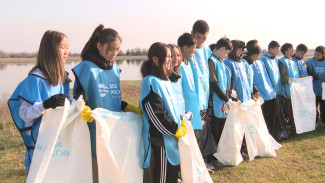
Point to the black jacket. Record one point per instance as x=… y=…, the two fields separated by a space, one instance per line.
x=160 y=122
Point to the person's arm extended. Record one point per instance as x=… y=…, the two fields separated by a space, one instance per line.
x=283 y=72
x=310 y=73
x=214 y=82
x=28 y=112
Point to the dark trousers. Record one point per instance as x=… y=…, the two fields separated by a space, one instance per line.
x=95 y=169
x=204 y=137
x=320 y=104
x=217 y=125
x=160 y=169
x=268 y=109
x=289 y=110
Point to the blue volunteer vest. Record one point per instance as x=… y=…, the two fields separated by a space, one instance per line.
x=222 y=81
x=301 y=66
x=250 y=74
x=240 y=77
x=102 y=88
x=272 y=67
x=190 y=95
x=292 y=71
x=32 y=89
x=228 y=74
x=200 y=68
x=262 y=81
x=318 y=68
x=165 y=90
x=177 y=87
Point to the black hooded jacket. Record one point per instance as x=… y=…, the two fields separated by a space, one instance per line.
x=101 y=63
x=160 y=122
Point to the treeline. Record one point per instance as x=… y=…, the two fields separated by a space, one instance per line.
x=128 y=52
x=4 y=54
x=133 y=52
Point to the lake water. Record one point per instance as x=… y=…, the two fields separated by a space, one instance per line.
x=12 y=74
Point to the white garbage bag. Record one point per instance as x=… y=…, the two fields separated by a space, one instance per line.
x=303 y=104
x=193 y=168
x=245 y=119
x=258 y=140
x=119 y=145
x=62 y=152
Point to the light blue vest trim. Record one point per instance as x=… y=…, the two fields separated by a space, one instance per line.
x=102 y=88
x=200 y=68
x=32 y=89
x=272 y=67
x=177 y=87
x=190 y=95
x=222 y=81
x=301 y=66
x=292 y=71
x=165 y=90
x=250 y=74
x=262 y=81
x=239 y=75
x=318 y=68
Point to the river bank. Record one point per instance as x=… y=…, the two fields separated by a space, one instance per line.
x=70 y=59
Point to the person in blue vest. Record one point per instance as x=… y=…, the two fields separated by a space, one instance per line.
x=253 y=50
x=219 y=87
x=98 y=77
x=316 y=68
x=163 y=125
x=289 y=71
x=176 y=76
x=272 y=66
x=187 y=45
x=239 y=74
x=46 y=86
x=199 y=64
x=264 y=86
x=280 y=130
x=298 y=57
x=239 y=70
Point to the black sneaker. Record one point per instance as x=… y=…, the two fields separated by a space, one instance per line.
x=216 y=163
x=210 y=167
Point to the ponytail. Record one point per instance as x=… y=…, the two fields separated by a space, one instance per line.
x=102 y=35
x=91 y=45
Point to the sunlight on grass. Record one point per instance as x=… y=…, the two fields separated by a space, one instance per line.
x=301 y=158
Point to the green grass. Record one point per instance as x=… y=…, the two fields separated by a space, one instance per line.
x=301 y=159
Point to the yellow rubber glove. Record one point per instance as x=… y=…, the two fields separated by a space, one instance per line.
x=130 y=108
x=85 y=114
x=181 y=131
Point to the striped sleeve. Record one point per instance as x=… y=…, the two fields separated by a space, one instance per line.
x=158 y=117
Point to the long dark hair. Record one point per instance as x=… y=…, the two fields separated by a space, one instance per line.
x=48 y=58
x=158 y=50
x=101 y=35
x=172 y=46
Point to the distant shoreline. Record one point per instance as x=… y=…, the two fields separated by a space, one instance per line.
x=70 y=59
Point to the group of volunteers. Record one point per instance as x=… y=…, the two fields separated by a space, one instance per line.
x=177 y=79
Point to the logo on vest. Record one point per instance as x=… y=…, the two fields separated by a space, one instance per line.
x=320 y=70
x=115 y=90
x=103 y=90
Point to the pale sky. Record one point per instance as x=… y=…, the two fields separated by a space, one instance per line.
x=143 y=22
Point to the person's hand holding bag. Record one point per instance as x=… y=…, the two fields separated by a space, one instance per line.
x=55 y=101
